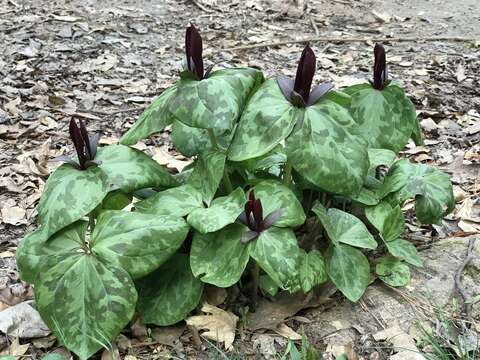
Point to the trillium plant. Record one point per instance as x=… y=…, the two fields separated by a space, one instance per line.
x=284 y=194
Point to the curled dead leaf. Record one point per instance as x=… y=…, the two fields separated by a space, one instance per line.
x=220 y=324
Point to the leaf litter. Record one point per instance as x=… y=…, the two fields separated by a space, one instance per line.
x=62 y=61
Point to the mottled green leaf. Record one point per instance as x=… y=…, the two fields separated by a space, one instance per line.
x=217 y=101
x=392 y=271
x=220 y=258
x=192 y=141
x=405 y=251
x=430 y=187
x=312 y=270
x=130 y=169
x=267 y=120
x=35 y=254
x=344 y=227
x=386 y=118
x=379 y=157
x=139 y=243
x=276 y=251
x=153 y=119
x=417 y=135
x=327 y=149
x=207 y=174
x=69 y=195
x=274 y=158
x=85 y=301
x=274 y=195
x=366 y=197
x=189 y=141
x=116 y=200
x=222 y=211
x=267 y=285
x=349 y=270
x=179 y=201
x=387 y=219
x=167 y=295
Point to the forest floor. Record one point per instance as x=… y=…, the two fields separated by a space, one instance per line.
x=104 y=61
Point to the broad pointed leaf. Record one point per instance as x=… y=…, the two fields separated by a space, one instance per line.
x=217 y=101
x=386 y=118
x=167 y=295
x=344 y=227
x=86 y=302
x=192 y=141
x=327 y=149
x=349 y=270
x=430 y=187
x=130 y=169
x=276 y=251
x=405 y=251
x=387 y=219
x=70 y=194
x=189 y=141
x=312 y=270
x=35 y=254
x=223 y=211
x=267 y=285
x=207 y=174
x=267 y=120
x=220 y=258
x=274 y=195
x=379 y=157
x=153 y=119
x=179 y=201
x=392 y=271
x=271 y=161
x=366 y=197
x=139 y=243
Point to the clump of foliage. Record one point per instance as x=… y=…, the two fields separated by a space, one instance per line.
x=283 y=195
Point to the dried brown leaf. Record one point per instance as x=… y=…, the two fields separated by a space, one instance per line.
x=220 y=324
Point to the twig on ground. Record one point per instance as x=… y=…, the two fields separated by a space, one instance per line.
x=466 y=307
x=367 y=309
x=195 y=337
x=201 y=6
x=348 y=39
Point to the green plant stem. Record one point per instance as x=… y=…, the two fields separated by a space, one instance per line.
x=226 y=182
x=91 y=222
x=213 y=139
x=256 y=283
x=287 y=173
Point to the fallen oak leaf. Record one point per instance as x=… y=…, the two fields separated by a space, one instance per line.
x=220 y=324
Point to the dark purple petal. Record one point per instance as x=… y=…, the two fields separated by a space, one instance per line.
x=272 y=218
x=242 y=218
x=193 y=51
x=251 y=221
x=258 y=214
x=380 y=71
x=83 y=131
x=248 y=235
x=77 y=140
x=93 y=141
x=318 y=92
x=286 y=86
x=305 y=71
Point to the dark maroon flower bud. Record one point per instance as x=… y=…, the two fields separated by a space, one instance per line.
x=253 y=218
x=298 y=91
x=380 y=70
x=193 y=51
x=85 y=146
